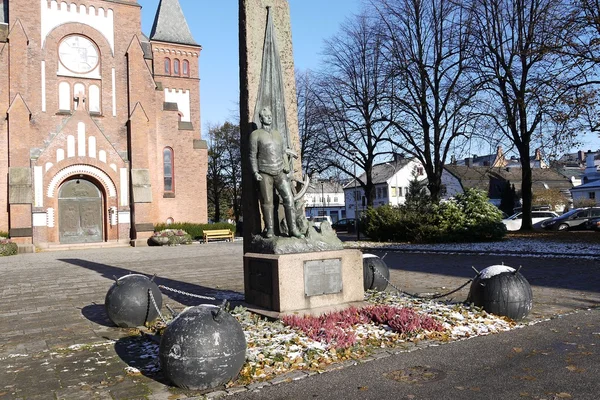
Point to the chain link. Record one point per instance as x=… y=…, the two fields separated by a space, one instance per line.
x=186 y=293
x=156 y=307
x=375 y=270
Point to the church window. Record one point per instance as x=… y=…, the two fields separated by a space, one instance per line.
x=185 y=68
x=94 y=105
x=176 y=67
x=64 y=96
x=167 y=66
x=78 y=54
x=168 y=169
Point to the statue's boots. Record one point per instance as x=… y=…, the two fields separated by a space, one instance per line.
x=290 y=219
x=268 y=218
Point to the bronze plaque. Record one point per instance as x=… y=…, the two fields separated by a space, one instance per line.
x=80 y=212
x=322 y=277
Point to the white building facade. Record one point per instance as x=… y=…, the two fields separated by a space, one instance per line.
x=325 y=198
x=391 y=180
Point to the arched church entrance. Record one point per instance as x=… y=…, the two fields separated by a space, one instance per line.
x=80 y=213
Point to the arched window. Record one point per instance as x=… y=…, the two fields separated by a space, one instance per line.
x=185 y=68
x=167 y=66
x=64 y=96
x=94 y=99
x=168 y=169
x=176 y=67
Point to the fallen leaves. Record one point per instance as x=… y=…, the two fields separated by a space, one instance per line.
x=574 y=368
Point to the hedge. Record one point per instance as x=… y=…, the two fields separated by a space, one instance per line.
x=196 y=231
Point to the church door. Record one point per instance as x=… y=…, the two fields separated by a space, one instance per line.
x=80 y=212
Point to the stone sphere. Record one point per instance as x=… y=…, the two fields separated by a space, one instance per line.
x=373 y=269
x=502 y=290
x=128 y=302
x=202 y=348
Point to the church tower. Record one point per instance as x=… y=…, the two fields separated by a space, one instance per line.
x=101 y=140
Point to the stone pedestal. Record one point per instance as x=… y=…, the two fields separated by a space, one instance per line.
x=303 y=282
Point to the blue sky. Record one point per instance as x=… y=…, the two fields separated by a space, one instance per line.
x=214 y=25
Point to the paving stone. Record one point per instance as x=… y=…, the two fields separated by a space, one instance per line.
x=216 y=395
x=257 y=385
x=236 y=389
x=41 y=317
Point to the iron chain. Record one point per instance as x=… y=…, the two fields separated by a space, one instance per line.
x=156 y=307
x=186 y=293
x=375 y=270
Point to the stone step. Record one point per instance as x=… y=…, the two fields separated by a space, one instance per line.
x=81 y=246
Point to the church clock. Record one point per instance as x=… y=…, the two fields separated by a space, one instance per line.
x=78 y=54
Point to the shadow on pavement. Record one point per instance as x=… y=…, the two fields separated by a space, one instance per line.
x=97 y=314
x=113 y=273
x=141 y=353
x=561 y=273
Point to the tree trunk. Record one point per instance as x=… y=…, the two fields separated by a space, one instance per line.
x=526 y=193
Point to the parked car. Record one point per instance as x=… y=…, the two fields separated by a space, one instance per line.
x=316 y=220
x=345 y=224
x=577 y=218
x=594 y=224
x=513 y=223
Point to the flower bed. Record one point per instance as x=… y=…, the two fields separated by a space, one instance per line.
x=276 y=347
x=390 y=323
x=170 y=237
x=8 y=248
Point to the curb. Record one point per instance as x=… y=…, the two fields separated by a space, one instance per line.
x=480 y=252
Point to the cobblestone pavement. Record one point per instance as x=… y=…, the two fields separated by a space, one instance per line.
x=57 y=342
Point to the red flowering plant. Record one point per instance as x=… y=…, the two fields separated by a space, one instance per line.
x=336 y=329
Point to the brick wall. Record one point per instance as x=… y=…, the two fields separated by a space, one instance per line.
x=40 y=133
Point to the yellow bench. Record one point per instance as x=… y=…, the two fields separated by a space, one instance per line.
x=218 y=234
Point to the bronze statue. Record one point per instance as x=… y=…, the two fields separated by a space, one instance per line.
x=270 y=167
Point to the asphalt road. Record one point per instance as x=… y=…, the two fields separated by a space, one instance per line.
x=556 y=359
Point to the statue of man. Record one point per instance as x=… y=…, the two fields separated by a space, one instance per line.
x=270 y=167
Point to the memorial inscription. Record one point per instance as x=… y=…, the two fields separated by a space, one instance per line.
x=322 y=277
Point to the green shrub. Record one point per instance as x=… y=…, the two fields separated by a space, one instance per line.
x=483 y=220
x=3 y=234
x=196 y=231
x=469 y=218
x=8 y=248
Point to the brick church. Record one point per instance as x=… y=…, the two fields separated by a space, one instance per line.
x=100 y=137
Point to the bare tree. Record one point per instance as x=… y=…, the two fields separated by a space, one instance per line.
x=224 y=171
x=349 y=96
x=308 y=122
x=584 y=22
x=429 y=59
x=528 y=82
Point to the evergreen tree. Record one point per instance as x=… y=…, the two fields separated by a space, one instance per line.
x=417 y=197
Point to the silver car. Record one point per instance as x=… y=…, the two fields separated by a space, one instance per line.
x=513 y=223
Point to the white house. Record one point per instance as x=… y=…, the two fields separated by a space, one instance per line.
x=590 y=189
x=325 y=197
x=391 y=181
